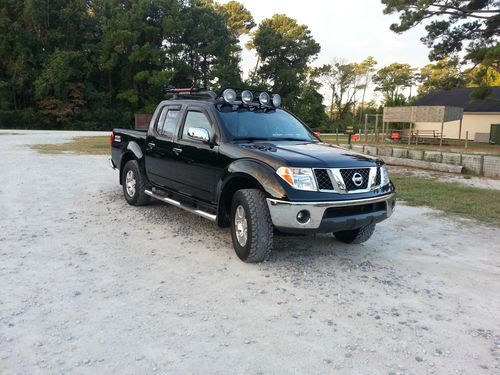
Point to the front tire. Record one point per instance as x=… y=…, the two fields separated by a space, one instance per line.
x=355 y=236
x=134 y=184
x=251 y=226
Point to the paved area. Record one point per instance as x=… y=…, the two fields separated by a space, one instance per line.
x=91 y=285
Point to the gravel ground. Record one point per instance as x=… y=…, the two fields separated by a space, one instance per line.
x=90 y=285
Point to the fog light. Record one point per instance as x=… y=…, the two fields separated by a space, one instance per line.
x=303 y=217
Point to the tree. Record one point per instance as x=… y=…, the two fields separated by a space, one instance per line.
x=392 y=80
x=239 y=22
x=342 y=81
x=443 y=75
x=239 y=19
x=366 y=68
x=199 y=43
x=285 y=48
x=309 y=106
x=453 y=23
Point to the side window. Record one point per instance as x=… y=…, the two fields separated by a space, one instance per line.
x=167 y=122
x=195 y=119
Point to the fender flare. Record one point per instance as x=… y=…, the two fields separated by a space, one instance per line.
x=261 y=173
x=251 y=173
x=136 y=150
x=131 y=151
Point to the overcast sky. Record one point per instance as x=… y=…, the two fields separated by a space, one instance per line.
x=351 y=30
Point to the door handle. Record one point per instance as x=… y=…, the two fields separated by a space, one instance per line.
x=150 y=145
x=176 y=150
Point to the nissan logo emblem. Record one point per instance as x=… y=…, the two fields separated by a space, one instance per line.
x=357 y=179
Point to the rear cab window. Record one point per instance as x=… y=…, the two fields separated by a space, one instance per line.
x=167 y=121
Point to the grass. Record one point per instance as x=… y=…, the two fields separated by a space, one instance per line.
x=470 y=202
x=79 y=145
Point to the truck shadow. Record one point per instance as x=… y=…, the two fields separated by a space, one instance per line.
x=287 y=248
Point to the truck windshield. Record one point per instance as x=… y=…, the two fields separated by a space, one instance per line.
x=245 y=125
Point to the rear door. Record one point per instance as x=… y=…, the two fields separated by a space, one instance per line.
x=159 y=144
x=196 y=161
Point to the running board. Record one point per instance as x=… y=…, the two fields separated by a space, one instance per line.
x=175 y=203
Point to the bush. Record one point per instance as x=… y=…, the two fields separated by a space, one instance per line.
x=23 y=119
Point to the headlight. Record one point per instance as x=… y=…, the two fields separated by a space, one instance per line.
x=384 y=176
x=298 y=178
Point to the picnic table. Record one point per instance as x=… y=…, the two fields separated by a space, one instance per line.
x=431 y=137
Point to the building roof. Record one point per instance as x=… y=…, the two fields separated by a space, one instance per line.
x=460 y=97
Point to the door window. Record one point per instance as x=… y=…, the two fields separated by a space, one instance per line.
x=167 y=122
x=195 y=119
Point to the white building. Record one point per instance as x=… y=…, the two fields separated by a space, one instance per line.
x=480 y=118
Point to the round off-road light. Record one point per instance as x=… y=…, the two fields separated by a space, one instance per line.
x=246 y=96
x=277 y=100
x=264 y=98
x=229 y=95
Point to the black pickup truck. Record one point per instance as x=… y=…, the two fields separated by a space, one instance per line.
x=240 y=160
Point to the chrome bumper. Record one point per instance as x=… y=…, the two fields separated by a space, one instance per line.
x=111 y=163
x=284 y=213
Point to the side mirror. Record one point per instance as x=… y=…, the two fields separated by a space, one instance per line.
x=199 y=134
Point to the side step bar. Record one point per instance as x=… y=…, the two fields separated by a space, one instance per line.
x=175 y=203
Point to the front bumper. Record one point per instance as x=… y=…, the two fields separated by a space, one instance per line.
x=332 y=216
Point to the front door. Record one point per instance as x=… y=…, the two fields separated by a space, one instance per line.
x=196 y=161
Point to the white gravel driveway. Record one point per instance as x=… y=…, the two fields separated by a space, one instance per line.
x=91 y=285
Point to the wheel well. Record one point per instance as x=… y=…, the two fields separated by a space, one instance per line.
x=125 y=158
x=226 y=196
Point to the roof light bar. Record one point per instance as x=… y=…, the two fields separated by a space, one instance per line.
x=229 y=95
x=277 y=100
x=246 y=96
x=264 y=98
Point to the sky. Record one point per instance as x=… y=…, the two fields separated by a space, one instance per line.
x=345 y=29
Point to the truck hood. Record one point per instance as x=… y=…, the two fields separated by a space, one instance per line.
x=307 y=155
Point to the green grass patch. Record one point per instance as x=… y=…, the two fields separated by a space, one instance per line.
x=465 y=201
x=79 y=145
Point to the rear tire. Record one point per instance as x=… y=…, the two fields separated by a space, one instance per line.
x=251 y=226
x=134 y=184
x=355 y=236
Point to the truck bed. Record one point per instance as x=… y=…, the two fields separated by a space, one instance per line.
x=121 y=140
x=132 y=133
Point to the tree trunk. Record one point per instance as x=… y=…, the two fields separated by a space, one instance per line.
x=332 y=103
x=363 y=100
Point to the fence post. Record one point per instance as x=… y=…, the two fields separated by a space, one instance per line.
x=337 y=134
x=366 y=128
x=466 y=138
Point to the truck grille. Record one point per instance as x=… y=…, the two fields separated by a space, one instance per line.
x=324 y=182
x=355 y=179
x=349 y=180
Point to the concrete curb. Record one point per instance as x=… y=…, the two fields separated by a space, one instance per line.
x=423 y=164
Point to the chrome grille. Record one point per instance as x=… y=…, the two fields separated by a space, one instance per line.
x=378 y=178
x=324 y=182
x=349 y=180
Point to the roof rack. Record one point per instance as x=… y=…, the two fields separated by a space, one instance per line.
x=190 y=93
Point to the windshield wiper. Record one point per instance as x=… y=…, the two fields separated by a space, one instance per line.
x=292 y=139
x=251 y=139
